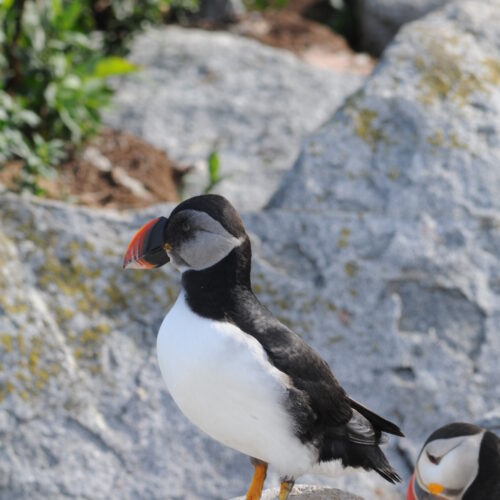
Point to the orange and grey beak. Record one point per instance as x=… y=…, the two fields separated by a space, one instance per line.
x=435 y=488
x=147 y=249
x=410 y=495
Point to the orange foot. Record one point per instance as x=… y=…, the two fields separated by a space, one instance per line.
x=259 y=475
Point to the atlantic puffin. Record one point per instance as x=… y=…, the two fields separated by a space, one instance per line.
x=235 y=370
x=459 y=461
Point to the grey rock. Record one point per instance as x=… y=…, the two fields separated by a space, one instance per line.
x=306 y=492
x=380 y=20
x=403 y=204
x=201 y=91
x=83 y=411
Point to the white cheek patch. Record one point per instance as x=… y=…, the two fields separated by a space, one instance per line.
x=458 y=462
x=206 y=249
x=210 y=242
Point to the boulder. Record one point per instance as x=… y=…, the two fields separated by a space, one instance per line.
x=400 y=192
x=381 y=249
x=202 y=91
x=305 y=492
x=380 y=20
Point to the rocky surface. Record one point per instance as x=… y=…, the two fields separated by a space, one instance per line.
x=381 y=249
x=305 y=492
x=201 y=91
x=379 y=20
x=406 y=176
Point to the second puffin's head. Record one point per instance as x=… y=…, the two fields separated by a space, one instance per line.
x=199 y=233
x=447 y=464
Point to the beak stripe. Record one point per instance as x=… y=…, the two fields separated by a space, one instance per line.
x=132 y=254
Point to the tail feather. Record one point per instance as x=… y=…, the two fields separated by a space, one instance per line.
x=379 y=423
x=385 y=469
x=372 y=458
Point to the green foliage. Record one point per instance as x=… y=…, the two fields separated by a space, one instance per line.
x=265 y=4
x=37 y=153
x=54 y=61
x=214 y=176
x=119 y=20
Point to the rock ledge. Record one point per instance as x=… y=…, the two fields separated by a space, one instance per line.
x=308 y=492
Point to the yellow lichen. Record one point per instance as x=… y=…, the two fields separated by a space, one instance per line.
x=455 y=142
x=20 y=344
x=351 y=268
x=331 y=307
x=9 y=387
x=78 y=353
x=68 y=278
x=436 y=139
x=343 y=240
x=116 y=297
x=492 y=74
x=394 y=174
x=76 y=247
x=95 y=334
x=445 y=76
x=6 y=341
x=364 y=126
x=282 y=304
x=64 y=314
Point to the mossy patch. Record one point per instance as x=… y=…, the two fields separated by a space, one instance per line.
x=6 y=341
x=445 y=76
x=63 y=315
x=364 y=124
x=27 y=358
x=351 y=268
x=394 y=174
x=68 y=277
x=455 y=142
x=15 y=307
x=87 y=346
x=343 y=239
x=436 y=139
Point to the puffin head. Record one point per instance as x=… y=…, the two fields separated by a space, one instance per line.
x=447 y=464
x=198 y=234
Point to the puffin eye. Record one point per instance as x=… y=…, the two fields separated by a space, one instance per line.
x=186 y=227
x=433 y=459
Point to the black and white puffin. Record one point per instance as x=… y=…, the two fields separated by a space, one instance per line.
x=239 y=374
x=458 y=462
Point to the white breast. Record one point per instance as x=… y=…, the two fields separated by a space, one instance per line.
x=222 y=381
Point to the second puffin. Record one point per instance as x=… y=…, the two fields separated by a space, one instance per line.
x=239 y=374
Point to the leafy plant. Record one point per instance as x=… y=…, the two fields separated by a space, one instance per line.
x=119 y=20
x=265 y=4
x=53 y=69
x=214 y=176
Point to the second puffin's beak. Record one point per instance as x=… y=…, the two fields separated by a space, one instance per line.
x=435 y=488
x=409 y=494
x=147 y=249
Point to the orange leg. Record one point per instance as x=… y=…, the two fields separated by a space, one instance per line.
x=259 y=475
x=285 y=490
